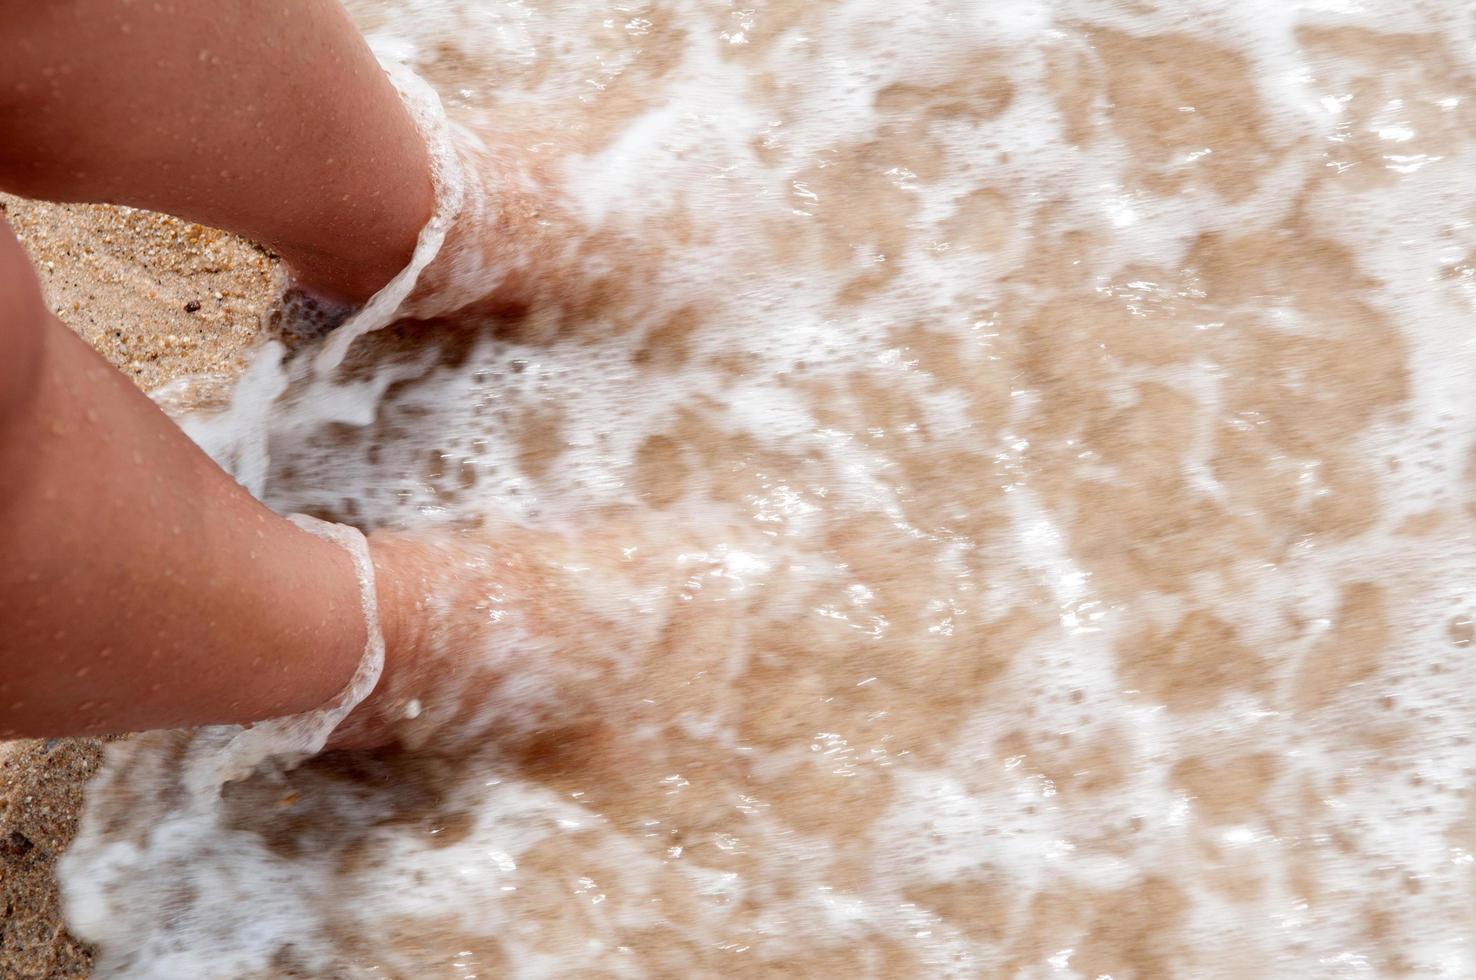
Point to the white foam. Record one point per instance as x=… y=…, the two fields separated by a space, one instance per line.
x=798 y=521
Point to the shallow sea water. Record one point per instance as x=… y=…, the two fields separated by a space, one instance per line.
x=1051 y=430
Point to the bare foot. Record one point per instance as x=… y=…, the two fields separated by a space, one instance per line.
x=495 y=636
x=509 y=239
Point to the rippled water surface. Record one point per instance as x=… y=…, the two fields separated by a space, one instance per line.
x=1052 y=426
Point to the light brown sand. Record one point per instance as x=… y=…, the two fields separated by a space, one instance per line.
x=128 y=282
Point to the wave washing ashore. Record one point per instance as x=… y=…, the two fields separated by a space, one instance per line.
x=1006 y=472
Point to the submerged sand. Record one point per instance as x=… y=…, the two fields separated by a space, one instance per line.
x=159 y=298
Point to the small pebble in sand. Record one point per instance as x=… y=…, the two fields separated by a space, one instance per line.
x=16 y=844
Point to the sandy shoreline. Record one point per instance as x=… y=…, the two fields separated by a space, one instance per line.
x=159 y=298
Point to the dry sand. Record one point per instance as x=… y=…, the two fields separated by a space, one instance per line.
x=159 y=298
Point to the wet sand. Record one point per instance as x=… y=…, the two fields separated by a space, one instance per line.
x=159 y=298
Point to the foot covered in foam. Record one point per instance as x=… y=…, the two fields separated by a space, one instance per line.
x=493 y=637
x=505 y=240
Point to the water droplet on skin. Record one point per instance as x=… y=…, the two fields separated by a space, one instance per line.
x=1462 y=630
x=82 y=672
